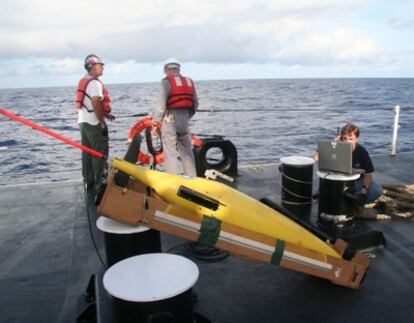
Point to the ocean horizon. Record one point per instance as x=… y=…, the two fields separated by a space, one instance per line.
x=266 y=119
x=214 y=80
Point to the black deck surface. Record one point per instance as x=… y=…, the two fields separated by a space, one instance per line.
x=47 y=258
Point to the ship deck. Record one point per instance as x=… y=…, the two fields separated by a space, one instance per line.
x=47 y=258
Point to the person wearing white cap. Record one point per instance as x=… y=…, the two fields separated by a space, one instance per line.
x=94 y=106
x=177 y=103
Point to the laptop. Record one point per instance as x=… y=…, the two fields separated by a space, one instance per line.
x=335 y=156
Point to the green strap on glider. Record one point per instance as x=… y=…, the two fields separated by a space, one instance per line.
x=209 y=231
x=277 y=255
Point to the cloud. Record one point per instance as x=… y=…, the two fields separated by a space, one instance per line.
x=65 y=66
x=401 y=23
x=214 y=39
x=341 y=45
x=241 y=31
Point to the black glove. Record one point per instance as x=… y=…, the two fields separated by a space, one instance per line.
x=109 y=116
x=362 y=198
x=191 y=112
x=105 y=132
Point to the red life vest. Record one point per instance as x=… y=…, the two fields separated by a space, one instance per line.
x=181 y=92
x=81 y=93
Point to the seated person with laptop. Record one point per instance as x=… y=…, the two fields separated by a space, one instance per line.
x=365 y=185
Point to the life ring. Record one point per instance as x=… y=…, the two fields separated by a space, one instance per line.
x=141 y=125
x=146 y=124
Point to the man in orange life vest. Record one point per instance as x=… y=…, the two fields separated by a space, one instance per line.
x=94 y=106
x=177 y=103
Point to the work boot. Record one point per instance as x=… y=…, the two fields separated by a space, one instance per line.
x=361 y=199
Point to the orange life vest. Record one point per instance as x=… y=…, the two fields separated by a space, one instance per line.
x=81 y=93
x=181 y=92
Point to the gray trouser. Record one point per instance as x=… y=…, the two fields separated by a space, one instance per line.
x=176 y=139
x=93 y=169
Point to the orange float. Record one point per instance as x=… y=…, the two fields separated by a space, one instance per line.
x=146 y=124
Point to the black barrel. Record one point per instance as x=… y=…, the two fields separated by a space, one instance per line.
x=123 y=241
x=174 y=309
x=335 y=208
x=226 y=163
x=297 y=178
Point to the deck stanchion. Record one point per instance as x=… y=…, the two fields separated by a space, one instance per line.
x=395 y=130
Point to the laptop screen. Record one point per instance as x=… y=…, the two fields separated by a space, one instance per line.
x=335 y=156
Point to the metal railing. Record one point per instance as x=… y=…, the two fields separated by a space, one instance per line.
x=395 y=130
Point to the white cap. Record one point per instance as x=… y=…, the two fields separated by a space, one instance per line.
x=172 y=62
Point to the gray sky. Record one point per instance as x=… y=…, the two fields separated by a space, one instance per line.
x=44 y=42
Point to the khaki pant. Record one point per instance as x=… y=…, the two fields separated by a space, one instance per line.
x=176 y=140
x=93 y=169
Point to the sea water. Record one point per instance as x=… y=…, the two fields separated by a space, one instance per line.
x=265 y=119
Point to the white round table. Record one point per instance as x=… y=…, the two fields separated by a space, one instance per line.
x=337 y=176
x=150 y=277
x=111 y=226
x=297 y=160
x=148 y=285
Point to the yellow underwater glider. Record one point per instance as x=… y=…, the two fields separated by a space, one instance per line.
x=210 y=198
x=190 y=207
